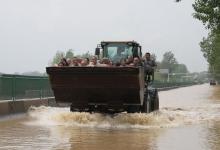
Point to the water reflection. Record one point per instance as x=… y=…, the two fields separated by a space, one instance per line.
x=213 y=135
x=189 y=118
x=215 y=96
x=213 y=128
x=83 y=138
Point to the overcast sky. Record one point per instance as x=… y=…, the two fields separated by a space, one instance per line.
x=31 y=31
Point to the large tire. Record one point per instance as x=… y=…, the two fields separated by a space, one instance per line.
x=72 y=109
x=133 y=109
x=154 y=99
x=146 y=104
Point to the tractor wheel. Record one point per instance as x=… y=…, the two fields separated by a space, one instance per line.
x=154 y=99
x=146 y=104
x=133 y=109
x=72 y=109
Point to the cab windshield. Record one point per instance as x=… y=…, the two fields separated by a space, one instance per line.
x=117 y=51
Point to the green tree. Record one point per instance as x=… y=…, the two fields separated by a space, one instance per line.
x=60 y=54
x=57 y=57
x=180 y=68
x=210 y=47
x=168 y=57
x=85 y=55
x=208 y=11
x=168 y=61
x=69 y=54
x=207 y=48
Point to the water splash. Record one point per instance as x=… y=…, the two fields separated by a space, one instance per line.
x=166 y=117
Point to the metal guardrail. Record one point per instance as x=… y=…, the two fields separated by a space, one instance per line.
x=14 y=87
x=158 y=84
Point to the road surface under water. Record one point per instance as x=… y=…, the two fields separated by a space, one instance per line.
x=189 y=118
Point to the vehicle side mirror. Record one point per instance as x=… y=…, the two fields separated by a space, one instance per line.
x=97 y=51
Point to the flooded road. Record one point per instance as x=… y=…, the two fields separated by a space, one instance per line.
x=189 y=118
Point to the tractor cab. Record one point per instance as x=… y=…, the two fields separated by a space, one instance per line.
x=117 y=51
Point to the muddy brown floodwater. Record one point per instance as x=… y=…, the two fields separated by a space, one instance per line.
x=189 y=119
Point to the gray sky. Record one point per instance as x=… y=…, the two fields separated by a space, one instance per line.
x=31 y=31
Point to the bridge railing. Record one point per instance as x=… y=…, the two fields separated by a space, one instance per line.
x=13 y=87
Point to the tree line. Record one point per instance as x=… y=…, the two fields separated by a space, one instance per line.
x=208 y=12
x=168 y=61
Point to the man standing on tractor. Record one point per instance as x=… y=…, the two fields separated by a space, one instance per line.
x=149 y=67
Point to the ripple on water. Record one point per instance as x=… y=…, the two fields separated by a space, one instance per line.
x=166 y=117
